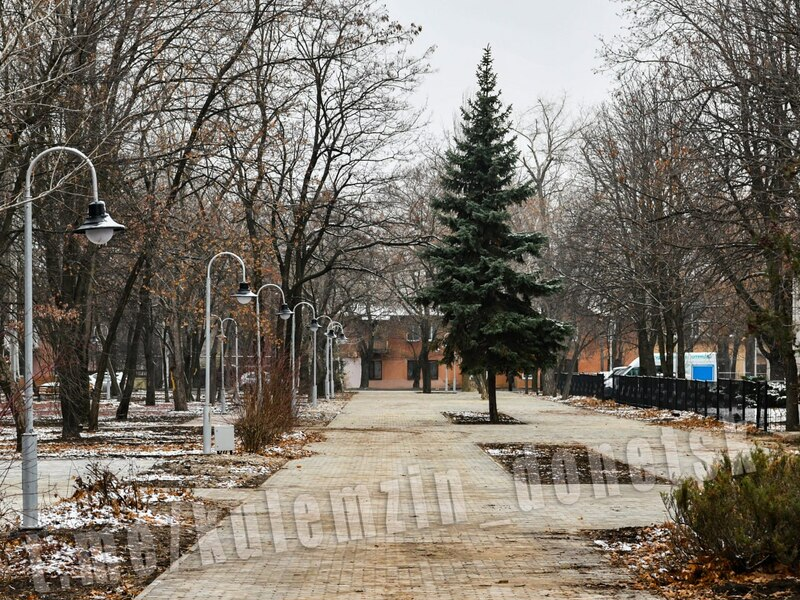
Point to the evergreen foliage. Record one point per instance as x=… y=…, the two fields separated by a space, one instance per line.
x=481 y=290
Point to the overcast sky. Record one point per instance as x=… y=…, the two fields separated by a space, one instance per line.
x=540 y=47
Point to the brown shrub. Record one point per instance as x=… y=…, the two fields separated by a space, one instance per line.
x=263 y=419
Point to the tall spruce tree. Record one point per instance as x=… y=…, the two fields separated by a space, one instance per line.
x=485 y=298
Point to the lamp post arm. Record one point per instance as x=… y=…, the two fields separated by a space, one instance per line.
x=43 y=153
x=311 y=306
x=258 y=327
x=272 y=285
x=216 y=256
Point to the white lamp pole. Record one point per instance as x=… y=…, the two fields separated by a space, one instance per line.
x=221 y=390
x=330 y=335
x=335 y=338
x=235 y=351
x=99 y=228
x=327 y=354
x=284 y=313
x=244 y=296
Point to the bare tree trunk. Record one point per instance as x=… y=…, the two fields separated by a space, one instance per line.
x=480 y=385
x=424 y=364
x=680 y=329
x=568 y=380
x=73 y=387
x=14 y=399
x=790 y=371
x=182 y=394
x=646 y=344
x=549 y=380
x=491 y=388
x=147 y=343
x=104 y=362
x=130 y=367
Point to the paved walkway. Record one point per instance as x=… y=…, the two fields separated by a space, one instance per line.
x=439 y=519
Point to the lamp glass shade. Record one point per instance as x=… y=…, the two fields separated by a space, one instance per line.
x=244 y=295
x=100 y=236
x=314 y=325
x=98 y=226
x=285 y=312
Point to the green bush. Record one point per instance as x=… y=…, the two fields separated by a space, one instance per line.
x=746 y=512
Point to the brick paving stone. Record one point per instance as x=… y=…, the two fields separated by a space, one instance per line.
x=439 y=519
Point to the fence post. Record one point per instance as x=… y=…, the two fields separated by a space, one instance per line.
x=758 y=404
x=719 y=382
x=658 y=401
x=744 y=400
x=730 y=396
x=705 y=400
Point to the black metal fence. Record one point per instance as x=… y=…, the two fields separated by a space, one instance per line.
x=583 y=384
x=727 y=399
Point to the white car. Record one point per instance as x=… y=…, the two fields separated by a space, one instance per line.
x=93 y=380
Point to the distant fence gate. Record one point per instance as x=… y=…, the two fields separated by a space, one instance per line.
x=726 y=399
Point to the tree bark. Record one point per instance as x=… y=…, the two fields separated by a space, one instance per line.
x=424 y=364
x=549 y=378
x=646 y=344
x=147 y=346
x=182 y=394
x=14 y=399
x=130 y=367
x=680 y=330
x=491 y=389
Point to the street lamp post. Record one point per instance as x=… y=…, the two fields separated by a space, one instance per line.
x=341 y=338
x=99 y=228
x=236 y=353
x=243 y=295
x=327 y=353
x=284 y=313
x=221 y=390
x=314 y=326
x=330 y=335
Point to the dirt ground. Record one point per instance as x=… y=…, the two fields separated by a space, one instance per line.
x=558 y=464
x=118 y=532
x=647 y=553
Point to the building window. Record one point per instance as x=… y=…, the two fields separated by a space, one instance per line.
x=412 y=369
x=433 y=367
x=413 y=334
x=376 y=369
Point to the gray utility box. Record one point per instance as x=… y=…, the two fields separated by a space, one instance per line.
x=223 y=438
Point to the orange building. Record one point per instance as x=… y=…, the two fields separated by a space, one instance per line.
x=397 y=340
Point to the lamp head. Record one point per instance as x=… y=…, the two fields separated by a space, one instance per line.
x=285 y=312
x=98 y=226
x=244 y=294
x=342 y=338
x=314 y=325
